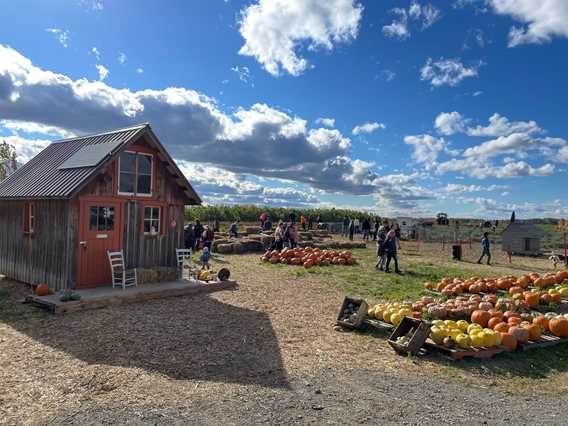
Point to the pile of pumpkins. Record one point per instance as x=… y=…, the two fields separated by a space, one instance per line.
x=309 y=257
x=393 y=313
x=457 y=286
x=463 y=334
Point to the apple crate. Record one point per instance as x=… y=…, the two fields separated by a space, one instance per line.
x=418 y=331
x=352 y=313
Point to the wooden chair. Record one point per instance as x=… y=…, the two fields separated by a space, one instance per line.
x=182 y=256
x=121 y=277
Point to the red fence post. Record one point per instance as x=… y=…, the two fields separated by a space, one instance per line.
x=510 y=254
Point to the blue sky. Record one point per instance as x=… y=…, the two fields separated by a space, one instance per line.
x=396 y=107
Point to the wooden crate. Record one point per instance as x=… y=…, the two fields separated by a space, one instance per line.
x=546 y=340
x=456 y=354
x=360 y=313
x=419 y=331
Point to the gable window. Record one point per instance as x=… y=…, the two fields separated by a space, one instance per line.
x=29 y=218
x=152 y=220
x=136 y=172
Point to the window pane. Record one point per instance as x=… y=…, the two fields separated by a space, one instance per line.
x=156 y=213
x=127 y=183
x=144 y=164
x=144 y=184
x=128 y=162
x=156 y=226
x=94 y=218
x=147 y=226
x=147 y=212
x=109 y=218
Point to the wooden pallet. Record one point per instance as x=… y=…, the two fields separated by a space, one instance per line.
x=457 y=354
x=546 y=340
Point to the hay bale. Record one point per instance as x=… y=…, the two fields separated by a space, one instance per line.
x=252 y=229
x=238 y=248
x=146 y=276
x=255 y=237
x=251 y=246
x=306 y=236
x=166 y=273
x=224 y=248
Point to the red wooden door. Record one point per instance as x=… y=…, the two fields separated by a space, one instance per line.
x=100 y=226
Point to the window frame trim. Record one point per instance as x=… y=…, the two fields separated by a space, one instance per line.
x=152 y=175
x=161 y=213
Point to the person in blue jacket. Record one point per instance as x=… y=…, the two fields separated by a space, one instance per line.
x=390 y=248
x=485 y=248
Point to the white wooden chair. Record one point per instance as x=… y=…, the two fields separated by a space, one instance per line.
x=121 y=277
x=182 y=256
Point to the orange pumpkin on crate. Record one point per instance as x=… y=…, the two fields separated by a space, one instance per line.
x=559 y=326
x=42 y=290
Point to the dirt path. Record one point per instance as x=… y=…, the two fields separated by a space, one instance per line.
x=266 y=353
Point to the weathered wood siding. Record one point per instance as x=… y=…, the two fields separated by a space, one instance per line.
x=143 y=251
x=43 y=257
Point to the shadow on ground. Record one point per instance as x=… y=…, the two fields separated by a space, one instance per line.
x=193 y=337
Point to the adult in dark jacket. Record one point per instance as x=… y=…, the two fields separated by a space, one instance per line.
x=208 y=236
x=198 y=232
x=485 y=248
x=366 y=228
x=390 y=248
x=189 y=237
x=351 y=229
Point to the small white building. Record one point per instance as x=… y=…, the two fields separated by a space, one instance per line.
x=407 y=226
x=522 y=238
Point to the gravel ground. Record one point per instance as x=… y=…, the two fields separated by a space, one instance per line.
x=266 y=353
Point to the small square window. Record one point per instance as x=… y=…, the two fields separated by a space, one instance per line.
x=152 y=220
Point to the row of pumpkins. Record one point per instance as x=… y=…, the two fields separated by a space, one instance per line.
x=457 y=286
x=309 y=257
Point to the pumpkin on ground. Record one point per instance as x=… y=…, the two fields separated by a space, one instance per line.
x=42 y=290
x=542 y=322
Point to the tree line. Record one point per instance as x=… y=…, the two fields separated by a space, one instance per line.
x=250 y=213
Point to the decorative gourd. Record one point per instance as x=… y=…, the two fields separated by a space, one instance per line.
x=514 y=321
x=42 y=290
x=509 y=341
x=485 y=306
x=480 y=317
x=559 y=326
x=521 y=334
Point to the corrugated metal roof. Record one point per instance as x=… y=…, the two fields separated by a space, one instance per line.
x=41 y=176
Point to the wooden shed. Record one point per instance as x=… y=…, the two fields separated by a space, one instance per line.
x=522 y=238
x=79 y=198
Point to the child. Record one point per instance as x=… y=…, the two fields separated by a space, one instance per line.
x=205 y=258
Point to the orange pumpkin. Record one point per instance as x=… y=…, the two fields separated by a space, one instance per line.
x=502 y=327
x=493 y=322
x=509 y=314
x=534 y=331
x=308 y=264
x=509 y=341
x=480 y=317
x=542 y=322
x=520 y=333
x=496 y=314
x=559 y=326
x=515 y=289
x=514 y=321
x=532 y=298
x=42 y=290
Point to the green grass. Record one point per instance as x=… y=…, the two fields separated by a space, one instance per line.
x=364 y=280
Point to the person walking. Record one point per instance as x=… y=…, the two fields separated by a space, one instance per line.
x=366 y=227
x=189 y=237
x=390 y=247
x=262 y=218
x=293 y=216
x=234 y=229
x=310 y=222
x=346 y=222
x=381 y=251
x=398 y=234
x=485 y=248
x=357 y=225
x=377 y=226
x=351 y=229
x=279 y=237
x=208 y=237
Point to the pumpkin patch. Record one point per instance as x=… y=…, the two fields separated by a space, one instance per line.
x=309 y=257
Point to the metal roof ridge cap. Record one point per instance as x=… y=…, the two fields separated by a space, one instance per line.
x=108 y=132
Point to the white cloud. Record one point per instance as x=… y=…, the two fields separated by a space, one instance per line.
x=427 y=148
x=501 y=126
x=26 y=149
x=61 y=35
x=563 y=155
x=399 y=28
x=327 y=122
x=244 y=74
x=367 y=128
x=30 y=127
x=274 y=30
x=96 y=53
x=454 y=188
x=387 y=75
x=190 y=124
x=140 y=71
x=121 y=58
x=446 y=72
x=103 y=72
x=491 y=208
x=543 y=19
x=479 y=169
x=449 y=123
x=516 y=143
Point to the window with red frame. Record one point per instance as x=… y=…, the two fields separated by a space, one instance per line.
x=29 y=218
